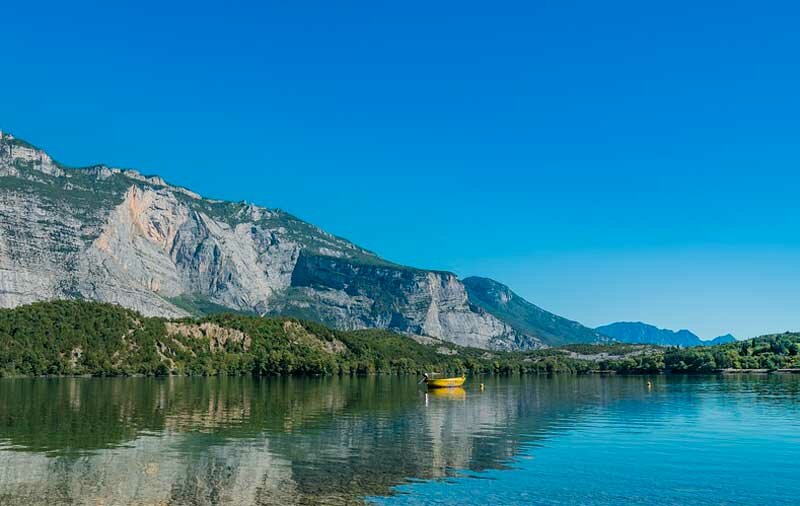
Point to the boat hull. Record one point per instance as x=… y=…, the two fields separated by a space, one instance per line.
x=445 y=382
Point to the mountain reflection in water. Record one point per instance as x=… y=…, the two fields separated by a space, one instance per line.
x=241 y=441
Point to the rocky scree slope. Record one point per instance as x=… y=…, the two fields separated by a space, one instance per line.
x=113 y=235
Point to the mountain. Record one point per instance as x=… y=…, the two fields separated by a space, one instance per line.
x=115 y=235
x=526 y=318
x=727 y=338
x=643 y=333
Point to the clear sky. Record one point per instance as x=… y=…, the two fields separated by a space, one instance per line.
x=607 y=160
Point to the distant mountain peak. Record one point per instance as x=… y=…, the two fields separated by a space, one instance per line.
x=723 y=339
x=645 y=333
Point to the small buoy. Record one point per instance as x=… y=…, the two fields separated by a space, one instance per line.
x=649 y=385
x=482 y=386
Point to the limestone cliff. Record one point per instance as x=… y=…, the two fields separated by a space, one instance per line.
x=115 y=235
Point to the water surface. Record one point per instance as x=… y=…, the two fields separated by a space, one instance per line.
x=586 y=440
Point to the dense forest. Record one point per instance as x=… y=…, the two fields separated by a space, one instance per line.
x=88 y=338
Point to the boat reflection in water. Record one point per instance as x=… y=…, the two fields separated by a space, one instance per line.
x=455 y=393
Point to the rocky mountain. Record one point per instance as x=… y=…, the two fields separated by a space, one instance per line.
x=643 y=333
x=526 y=318
x=115 y=235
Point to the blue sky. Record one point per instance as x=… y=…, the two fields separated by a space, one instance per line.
x=607 y=160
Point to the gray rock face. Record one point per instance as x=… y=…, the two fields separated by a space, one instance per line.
x=354 y=295
x=115 y=235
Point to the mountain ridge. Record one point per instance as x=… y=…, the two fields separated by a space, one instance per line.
x=526 y=317
x=644 y=333
x=115 y=235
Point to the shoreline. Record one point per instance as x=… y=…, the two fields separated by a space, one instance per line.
x=598 y=372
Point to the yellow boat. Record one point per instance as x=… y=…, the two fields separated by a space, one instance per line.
x=433 y=382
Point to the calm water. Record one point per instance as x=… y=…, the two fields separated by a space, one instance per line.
x=565 y=440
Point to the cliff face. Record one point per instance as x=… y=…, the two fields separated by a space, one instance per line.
x=115 y=235
x=352 y=295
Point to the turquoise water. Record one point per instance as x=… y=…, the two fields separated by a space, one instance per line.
x=587 y=440
x=684 y=442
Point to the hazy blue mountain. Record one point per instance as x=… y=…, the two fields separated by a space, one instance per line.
x=525 y=317
x=643 y=333
x=727 y=338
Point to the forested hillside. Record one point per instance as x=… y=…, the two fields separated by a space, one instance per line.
x=78 y=337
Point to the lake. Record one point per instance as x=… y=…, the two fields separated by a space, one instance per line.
x=577 y=440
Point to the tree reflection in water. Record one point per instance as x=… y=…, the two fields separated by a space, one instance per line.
x=241 y=441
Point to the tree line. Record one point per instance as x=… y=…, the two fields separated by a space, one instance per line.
x=72 y=337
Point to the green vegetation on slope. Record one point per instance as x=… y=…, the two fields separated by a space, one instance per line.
x=200 y=305
x=772 y=352
x=77 y=337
